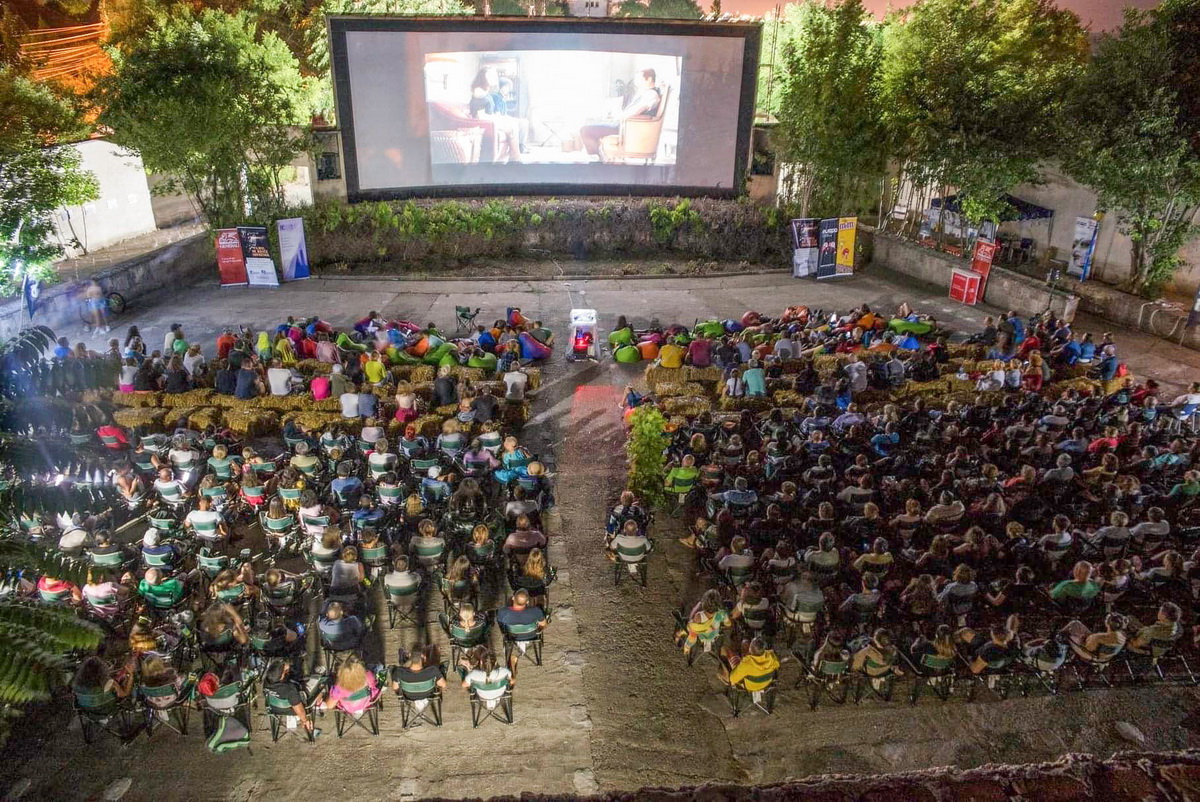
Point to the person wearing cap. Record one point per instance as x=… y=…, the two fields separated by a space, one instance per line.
x=339 y=385
x=433 y=487
x=304 y=461
x=152 y=547
x=175 y=333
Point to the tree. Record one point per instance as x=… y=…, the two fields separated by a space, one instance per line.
x=212 y=104
x=647 y=466
x=831 y=126
x=659 y=9
x=974 y=87
x=35 y=640
x=1132 y=134
x=37 y=175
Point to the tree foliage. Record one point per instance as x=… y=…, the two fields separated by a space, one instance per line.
x=659 y=9
x=213 y=104
x=973 y=89
x=647 y=465
x=830 y=124
x=1131 y=132
x=38 y=174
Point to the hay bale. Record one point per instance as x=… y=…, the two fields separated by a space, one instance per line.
x=146 y=419
x=424 y=391
x=313 y=421
x=709 y=374
x=669 y=389
x=655 y=374
x=206 y=417
x=514 y=414
x=463 y=373
x=788 y=398
x=252 y=423
x=192 y=398
x=963 y=351
x=447 y=411
x=826 y=365
x=688 y=406
x=422 y=373
x=137 y=399
x=535 y=377
x=313 y=367
x=96 y=396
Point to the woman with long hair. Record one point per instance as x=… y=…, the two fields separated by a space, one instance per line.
x=352 y=677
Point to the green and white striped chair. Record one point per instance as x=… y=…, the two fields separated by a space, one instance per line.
x=500 y=709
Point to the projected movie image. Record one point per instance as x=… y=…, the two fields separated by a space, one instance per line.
x=584 y=109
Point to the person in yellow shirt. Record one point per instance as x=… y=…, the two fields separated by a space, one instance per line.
x=671 y=355
x=755 y=671
x=375 y=370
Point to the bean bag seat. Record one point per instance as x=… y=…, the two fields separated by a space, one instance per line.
x=648 y=349
x=620 y=337
x=733 y=326
x=710 y=329
x=449 y=359
x=751 y=319
x=435 y=341
x=653 y=337
x=515 y=318
x=398 y=357
x=903 y=326
x=531 y=348
x=627 y=354
x=434 y=356
x=484 y=361
x=344 y=342
x=420 y=347
x=676 y=330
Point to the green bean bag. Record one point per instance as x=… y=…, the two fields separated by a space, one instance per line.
x=908 y=327
x=710 y=329
x=627 y=354
x=434 y=355
x=398 y=357
x=344 y=341
x=486 y=362
x=448 y=360
x=620 y=337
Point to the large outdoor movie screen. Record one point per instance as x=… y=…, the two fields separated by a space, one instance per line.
x=463 y=106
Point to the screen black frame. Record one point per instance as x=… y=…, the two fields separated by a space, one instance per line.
x=340 y=25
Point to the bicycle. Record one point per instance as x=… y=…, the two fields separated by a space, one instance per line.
x=114 y=306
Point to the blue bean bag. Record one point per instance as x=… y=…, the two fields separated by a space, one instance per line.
x=531 y=348
x=733 y=326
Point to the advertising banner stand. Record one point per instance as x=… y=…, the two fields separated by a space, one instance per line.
x=805 y=236
x=293 y=250
x=1083 y=247
x=231 y=264
x=847 y=231
x=260 y=267
x=827 y=248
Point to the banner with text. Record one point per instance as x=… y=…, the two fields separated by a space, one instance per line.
x=1083 y=246
x=293 y=250
x=805 y=236
x=260 y=267
x=231 y=264
x=827 y=248
x=981 y=261
x=847 y=230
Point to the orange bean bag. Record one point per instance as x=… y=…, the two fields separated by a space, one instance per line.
x=648 y=349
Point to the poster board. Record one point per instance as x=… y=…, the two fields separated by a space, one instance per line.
x=260 y=267
x=1083 y=247
x=827 y=248
x=805 y=238
x=231 y=263
x=846 y=234
x=293 y=249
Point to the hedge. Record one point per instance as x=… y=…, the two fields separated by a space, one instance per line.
x=377 y=236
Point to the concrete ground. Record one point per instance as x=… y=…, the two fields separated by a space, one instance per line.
x=614 y=707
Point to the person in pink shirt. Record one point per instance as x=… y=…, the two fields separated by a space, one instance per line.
x=326 y=351
x=352 y=677
x=319 y=388
x=700 y=352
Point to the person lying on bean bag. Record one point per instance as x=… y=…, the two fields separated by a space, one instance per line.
x=621 y=335
x=909 y=326
x=482 y=360
x=531 y=348
x=710 y=329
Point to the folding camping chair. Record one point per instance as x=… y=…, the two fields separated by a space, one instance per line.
x=763 y=699
x=166 y=706
x=464 y=318
x=105 y=714
x=420 y=701
x=367 y=718
x=500 y=709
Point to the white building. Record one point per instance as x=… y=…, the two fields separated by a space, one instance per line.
x=123 y=209
x=589 y=8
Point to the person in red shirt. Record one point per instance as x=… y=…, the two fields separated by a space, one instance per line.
x=108 y=432
x=700 y=352
x=225 y=343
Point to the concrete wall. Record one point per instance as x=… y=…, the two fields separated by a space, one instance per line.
x=1111 y=262
x=177 y=265
x=1007 y=290
x=123 y=209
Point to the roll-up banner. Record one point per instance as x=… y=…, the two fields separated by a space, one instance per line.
x=260 y=267
x=847 y=230
x=231 y=264
x=827 y=248
x=293 y=250
x=805 y=236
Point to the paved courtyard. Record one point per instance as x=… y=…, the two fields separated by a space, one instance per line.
x=614 y=706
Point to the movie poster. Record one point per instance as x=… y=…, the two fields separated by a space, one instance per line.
x=805 y=239
x=847 y=229
x=1083 y=246
x=231 y=264
x=256 y=250
x=827 y=248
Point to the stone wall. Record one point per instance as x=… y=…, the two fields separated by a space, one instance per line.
x=1005 y=289
x=177 y=265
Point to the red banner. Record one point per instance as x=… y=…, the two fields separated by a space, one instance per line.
x=230 y=262
x=981 y=261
